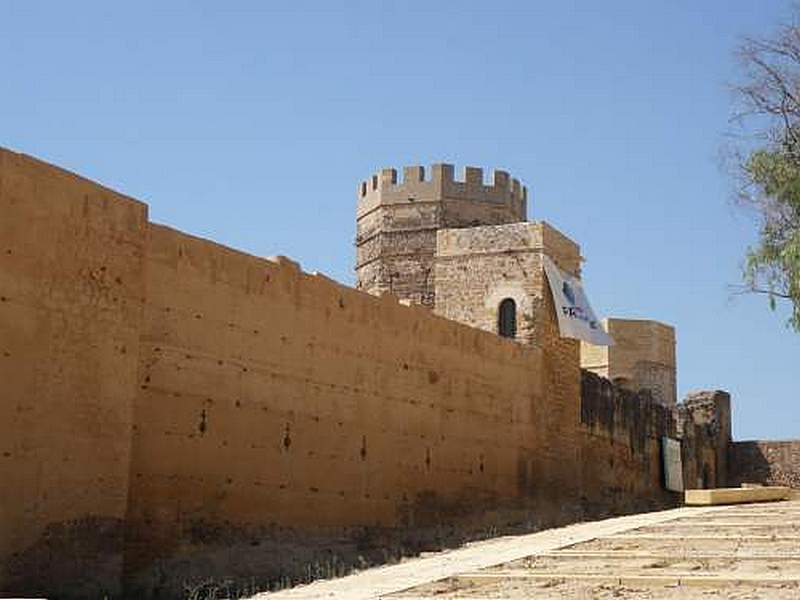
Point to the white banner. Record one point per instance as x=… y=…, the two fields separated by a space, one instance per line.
x=576 y=319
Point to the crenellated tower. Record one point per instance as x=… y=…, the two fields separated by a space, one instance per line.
x=397 y=221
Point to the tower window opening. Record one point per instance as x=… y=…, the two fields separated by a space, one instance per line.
x=507 y=319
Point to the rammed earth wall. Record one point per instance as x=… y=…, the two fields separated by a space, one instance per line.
x=174 y=411
x=71 y=296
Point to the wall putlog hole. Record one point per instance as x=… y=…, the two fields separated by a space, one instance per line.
x=287 y=438
x=203 y=424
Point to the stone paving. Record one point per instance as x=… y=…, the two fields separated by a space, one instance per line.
x=744 y=551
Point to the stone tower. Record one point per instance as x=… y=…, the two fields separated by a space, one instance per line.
x=642 y=357
x=397 y=222
x=466 y=250
x=477 y=269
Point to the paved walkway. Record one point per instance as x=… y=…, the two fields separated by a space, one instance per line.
x=470 y=567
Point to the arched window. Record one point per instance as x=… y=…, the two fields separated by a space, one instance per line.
x=507 y=318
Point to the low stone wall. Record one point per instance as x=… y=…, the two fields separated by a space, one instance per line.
x=704 y=427
x=621 y=454
x=766 y=462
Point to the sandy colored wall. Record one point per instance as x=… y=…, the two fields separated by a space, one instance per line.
x=276 y=402
x=179 y=411
x=71 y=282
x=476 y=269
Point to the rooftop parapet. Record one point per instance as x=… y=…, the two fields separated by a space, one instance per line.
x=385 y=188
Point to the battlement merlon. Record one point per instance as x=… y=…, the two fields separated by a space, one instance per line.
x=384 y=188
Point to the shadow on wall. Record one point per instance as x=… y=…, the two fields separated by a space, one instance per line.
x=62 y=556
x=634 y=424
x=621 y=469
x=230 y=561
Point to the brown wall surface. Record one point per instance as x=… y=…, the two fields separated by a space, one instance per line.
x=179 y=411
x=71 y=282
x=621 y=448
x=767 y=462
x=621 y=456
x=272 y=399
x=478 y=267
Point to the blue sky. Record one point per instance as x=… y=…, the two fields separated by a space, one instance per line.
x=251 y=123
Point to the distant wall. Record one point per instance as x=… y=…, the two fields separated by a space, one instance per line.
x=642 y=357
x=621 y=450
x=621 y=454
x=704 y=425
x=478 y=267
x=767 y=462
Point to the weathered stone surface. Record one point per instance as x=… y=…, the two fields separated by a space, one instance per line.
x=704 y=425
x=642 y=357
x=397 y=223
x=766 y=462
x=634 y=423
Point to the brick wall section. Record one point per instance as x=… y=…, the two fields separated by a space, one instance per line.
x=476 y=268
x=766 y=462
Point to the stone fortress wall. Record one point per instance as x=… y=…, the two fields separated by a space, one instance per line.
x=642 y=357
x=176 y=411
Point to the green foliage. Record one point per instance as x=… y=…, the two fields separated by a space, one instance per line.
x=772 y=266
x=768 y=106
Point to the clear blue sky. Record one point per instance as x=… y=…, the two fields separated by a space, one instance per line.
x=252 y=122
